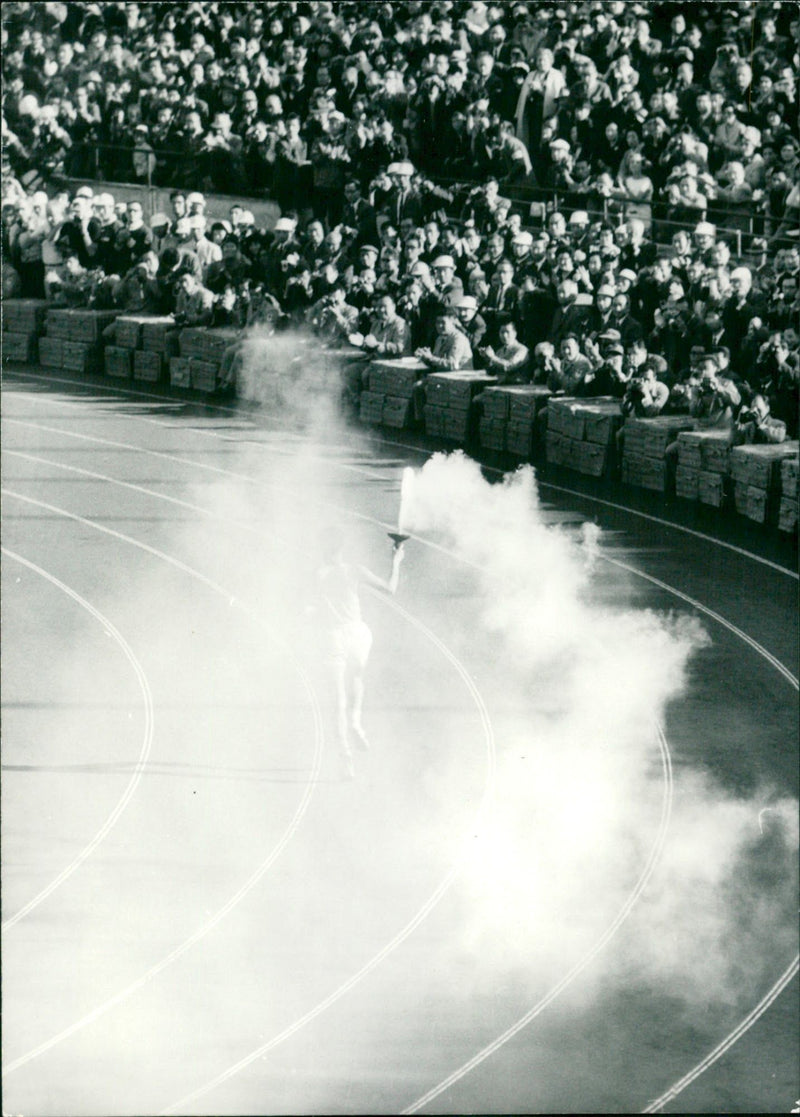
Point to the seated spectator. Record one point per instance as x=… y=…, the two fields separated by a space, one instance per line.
x=754 y=424
x=567 y=375
x=333 y=318
x=645 y=396
x=194 y=304
x=510 y=362
x=388 y=334
x=503 y=299
x=715 y=399
x=470 y=322
x=608 y=375
x=451 y=349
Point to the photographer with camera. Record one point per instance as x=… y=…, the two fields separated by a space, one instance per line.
x=754 y=424
x=715 y=398
x=645 y=397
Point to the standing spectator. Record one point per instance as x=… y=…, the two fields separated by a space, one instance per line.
x=329 y=162
x=132 y=241
x=538 y=99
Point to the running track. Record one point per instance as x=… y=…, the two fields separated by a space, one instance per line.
x=202 y=916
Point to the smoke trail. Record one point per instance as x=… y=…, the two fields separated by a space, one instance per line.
x=290 y=374
x=578 y=787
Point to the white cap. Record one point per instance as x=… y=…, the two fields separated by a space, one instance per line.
x=443 y=262
x=468 y=302
x=705 y=229
x=400 y=169
x=579 y=217
x=523 y=238
x=284 y=225
x=195 y=199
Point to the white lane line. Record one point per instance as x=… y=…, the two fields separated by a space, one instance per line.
x=786 y=977
x=732 y=628
x=756 y=1012
x=644 y=877
x=621 y=508
x=407 y=930
x=260 y=870
x=384 y=441
x=144 y=752
x=133 y=487
x=417 y=919
x=670 y=589
x=239 y=476
x=205 y=432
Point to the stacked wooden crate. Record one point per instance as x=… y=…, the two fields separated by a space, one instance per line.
x=77 y=337
x=580 y=433
x=449 y=396
x=646 y=440
x=23 y=322
x=509 y=414
x=703 y=461
x=756 y=472
x=387 y=399
x=203 y=349
x=787 y=511
x=137 y=351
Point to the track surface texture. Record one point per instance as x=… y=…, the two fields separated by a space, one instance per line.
x=530 y=898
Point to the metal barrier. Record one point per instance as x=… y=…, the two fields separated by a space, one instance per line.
x=165 y=168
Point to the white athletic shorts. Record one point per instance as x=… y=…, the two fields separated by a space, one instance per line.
x=350 y=644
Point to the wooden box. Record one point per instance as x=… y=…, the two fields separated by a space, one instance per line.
x=555 y=447
x=148 y=365
x=566 y=417
x=493 y=433
x=24 y=316
x=519 y=438
x=129 y=331
x=370 y=408
x=707 y=450
x=590 y=458
x=456 y=424
x=51 y=351
x=180 y=372
x=751 y=502
x=118 y=361
x=759 y=466
x=525 y=401
x=495 y=404
x=396 y=411
x=789 y=469
x=19 y=347
x=159 y=335
x=601 y=419
x=661 y=431
x=711 y=488
x=687 y=480
x=787 y=514
x=434 y=420
x=82 y=356
x=203 y=375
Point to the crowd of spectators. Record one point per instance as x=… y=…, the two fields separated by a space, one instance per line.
x=364 y=121
x=664 y=108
